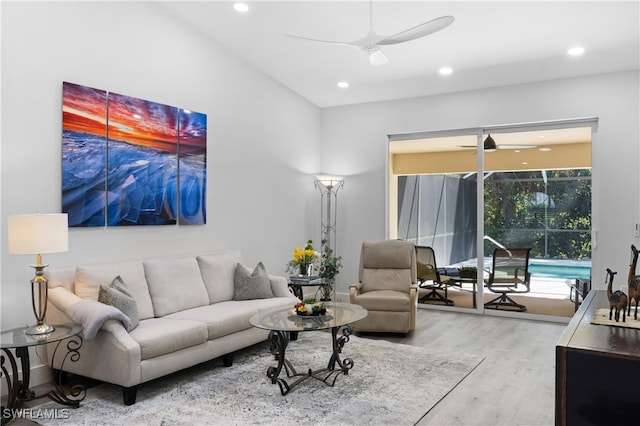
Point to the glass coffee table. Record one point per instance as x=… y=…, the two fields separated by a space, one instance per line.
x=284 y=324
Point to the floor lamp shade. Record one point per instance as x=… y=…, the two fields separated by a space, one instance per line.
x=38 y=234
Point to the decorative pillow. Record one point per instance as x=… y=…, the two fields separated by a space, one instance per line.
x=218 y=270
x=251 y=285
x=118 y=296
x=91 y=314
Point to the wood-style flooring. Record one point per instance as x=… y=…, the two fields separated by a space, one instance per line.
x=514 y=385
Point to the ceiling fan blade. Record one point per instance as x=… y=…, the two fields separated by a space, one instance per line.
x=516 y=146
x=418 y=31
x=343 y=43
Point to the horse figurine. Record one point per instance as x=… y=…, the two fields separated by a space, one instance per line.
x=617 y=299
x=634 y=282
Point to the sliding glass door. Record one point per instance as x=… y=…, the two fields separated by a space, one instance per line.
x=534 y=191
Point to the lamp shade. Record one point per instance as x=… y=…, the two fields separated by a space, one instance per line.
x=327 y=180
x=38 y=233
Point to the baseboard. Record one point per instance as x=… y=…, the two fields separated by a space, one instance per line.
x=40 y=375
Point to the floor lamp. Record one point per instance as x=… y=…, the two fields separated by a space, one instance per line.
x=329 y=187
x=38 y=234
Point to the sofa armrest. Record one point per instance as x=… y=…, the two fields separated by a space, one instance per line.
x=59 y=301
x=113 y=349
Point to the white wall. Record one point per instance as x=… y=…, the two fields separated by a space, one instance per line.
x=263 y=140
x=354 y=144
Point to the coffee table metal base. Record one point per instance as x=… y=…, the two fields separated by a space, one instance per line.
x=336 y=365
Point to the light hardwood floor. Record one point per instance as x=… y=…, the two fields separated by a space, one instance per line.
x=514 y=385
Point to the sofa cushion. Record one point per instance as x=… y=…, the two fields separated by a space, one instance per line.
x=160 y=336
x=217 y=271
x=249 y=284
x=260 y=305
x=175 y=284
x=90 y=278
x=118 y=296
x=91 y=314
x=221 y=318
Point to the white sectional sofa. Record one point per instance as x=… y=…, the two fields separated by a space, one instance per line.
x=186 y=314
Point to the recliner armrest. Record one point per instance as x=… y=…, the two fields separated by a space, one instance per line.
x=354 y=289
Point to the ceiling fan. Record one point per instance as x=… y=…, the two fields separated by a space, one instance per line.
x=370 y=44
x=490 y=145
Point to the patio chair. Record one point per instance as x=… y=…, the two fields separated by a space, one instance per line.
x=429 y=278
x=509 y=275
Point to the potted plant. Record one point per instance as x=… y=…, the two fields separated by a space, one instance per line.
x=329 y=267
x=468 y=271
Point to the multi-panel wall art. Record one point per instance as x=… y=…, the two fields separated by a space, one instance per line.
x=127 y=161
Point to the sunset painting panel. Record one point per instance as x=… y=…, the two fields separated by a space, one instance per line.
x=192 y=167
x=127 y=161
x=84 y=149
x=142 y=181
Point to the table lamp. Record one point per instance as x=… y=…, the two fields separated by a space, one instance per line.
x=38 y=234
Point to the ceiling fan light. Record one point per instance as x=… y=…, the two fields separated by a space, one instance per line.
x=241 y=7
x=377 y=58
x=490 y=144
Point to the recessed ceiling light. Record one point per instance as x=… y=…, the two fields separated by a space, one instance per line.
x=544 y=149
x=445 y=71
x=524 y=163
x=576 y=51
x=343 y=84
x=241 y=7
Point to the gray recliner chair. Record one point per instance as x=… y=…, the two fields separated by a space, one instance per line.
x=387 y=287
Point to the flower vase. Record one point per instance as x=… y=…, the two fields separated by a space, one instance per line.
x=306 y=269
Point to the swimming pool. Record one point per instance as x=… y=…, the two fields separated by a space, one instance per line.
x=563 y=269
x=550 y=268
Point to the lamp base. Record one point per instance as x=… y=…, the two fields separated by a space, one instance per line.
x=38 y=329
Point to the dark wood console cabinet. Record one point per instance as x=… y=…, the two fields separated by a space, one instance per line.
x=597 y=370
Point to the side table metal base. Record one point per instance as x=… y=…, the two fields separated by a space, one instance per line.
x=77 y=393
x=18 y=387
x=335 y=367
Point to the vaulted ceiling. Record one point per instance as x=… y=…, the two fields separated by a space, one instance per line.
x=490 y=43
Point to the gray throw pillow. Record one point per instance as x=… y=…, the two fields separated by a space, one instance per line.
x=118 y=296
x=251 y=285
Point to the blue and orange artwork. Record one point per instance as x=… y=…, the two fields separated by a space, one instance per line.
x=128 y=161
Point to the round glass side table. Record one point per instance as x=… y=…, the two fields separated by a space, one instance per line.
x=65 y=337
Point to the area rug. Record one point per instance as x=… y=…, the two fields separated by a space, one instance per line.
x=389 y=384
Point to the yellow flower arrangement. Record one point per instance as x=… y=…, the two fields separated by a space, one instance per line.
x=302 y=256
